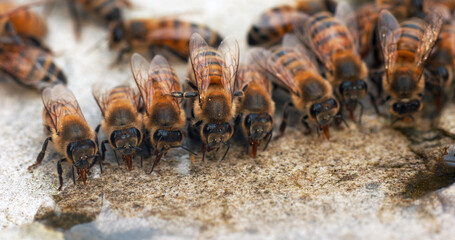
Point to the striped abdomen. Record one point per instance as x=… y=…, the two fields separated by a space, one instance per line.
x=121 y=107
x=171 y=34
x=329 y=36
x=409 y=41
x=444 y=50
x=366 y=18
x=212 y=62
x=26 y=22
x=272 y=25
x=30 y=66
x=290 y=60
x=107 y=10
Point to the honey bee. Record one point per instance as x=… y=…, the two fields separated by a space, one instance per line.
x=406 y=47
x=440 y=65
x=273 y=24
x=20 y=21
x=213 y=78
x=155 y=35
x=107 y=11
x=164 y=118
x=30 y=66
x=121 y=121
x=402 y=9
x=296 y=71
x=366 y=18
x=70 y=133
x=255 y=108
x=334 y=41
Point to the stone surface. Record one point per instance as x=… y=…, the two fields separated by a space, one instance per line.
x=368 y=182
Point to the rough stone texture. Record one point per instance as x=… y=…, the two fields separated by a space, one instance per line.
x=367 y=182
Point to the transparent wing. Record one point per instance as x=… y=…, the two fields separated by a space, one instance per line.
x=229 y=49
x=346 y=15
x=140 y=70
x=430 y=35
x=389 y=33
x=161 y=72
x=199 y=61
x=290 y=41
x=101 y=96
x=59 y=102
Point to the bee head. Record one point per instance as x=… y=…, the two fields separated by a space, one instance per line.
x=323 y=112
x=258 y=125
x=81 y=152
x=403 y=108
x=217 y=133
x=165 y=139
x=116 y=35
x=126 y=141
x=353 y=91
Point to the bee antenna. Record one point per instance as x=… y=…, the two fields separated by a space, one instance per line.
x=100 y=42
x=186 y=149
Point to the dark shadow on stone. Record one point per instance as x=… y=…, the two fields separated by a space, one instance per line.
x=423 y=183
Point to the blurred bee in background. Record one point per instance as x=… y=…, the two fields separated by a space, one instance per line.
x=403 y=9
x=106 y=11
x=366 y=18
x=406 y=47
x=213 y=78
x=334 y=41
x=30 y=66
x=165 y=118
x=70 y=133
x=296 y=71
x=273 y=24
x=21 y=24
x=157 y=36
x=440 y=65
x=255 y=108
x=122 y=123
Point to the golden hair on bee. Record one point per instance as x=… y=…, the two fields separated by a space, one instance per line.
x=122 y=123
x=164 y=116
x=256 y=107
x=213 y=81
x=295 y=70
x=405 y=48
x=70 y=133
x=334 y=40
x=30 y=66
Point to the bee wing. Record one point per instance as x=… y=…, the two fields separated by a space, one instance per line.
x=229 y=49
x=101 y=96
x=302 y=31
x=140 y=68
x=160 y=71
x=59 y=102
x=290 y=41
x=389 y=33
x=430 y=35
x=346 y=15
x=199 y=59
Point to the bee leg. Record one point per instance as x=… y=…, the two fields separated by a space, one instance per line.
x=74 y=176
x=203 y=150
x=157 y=160
x=361 y=112
x=120 y=56
x=116 y=158
x=41 y=155
x=285 y=119
x=306 y=125
x=76 y=18
x=227 y=150
x=269 y=138
x=60 y=172
x=375 y=105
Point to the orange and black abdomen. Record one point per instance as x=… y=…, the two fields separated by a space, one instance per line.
x=328 y=35
x=26 y=23
x=444 y=50
x=107 y=10
x=272 y=25
x=30 y=66
x=290 y=60
x=170 y=34
x=121 y=110
x=367 y=18
x=409 y=41
x=211 y=60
